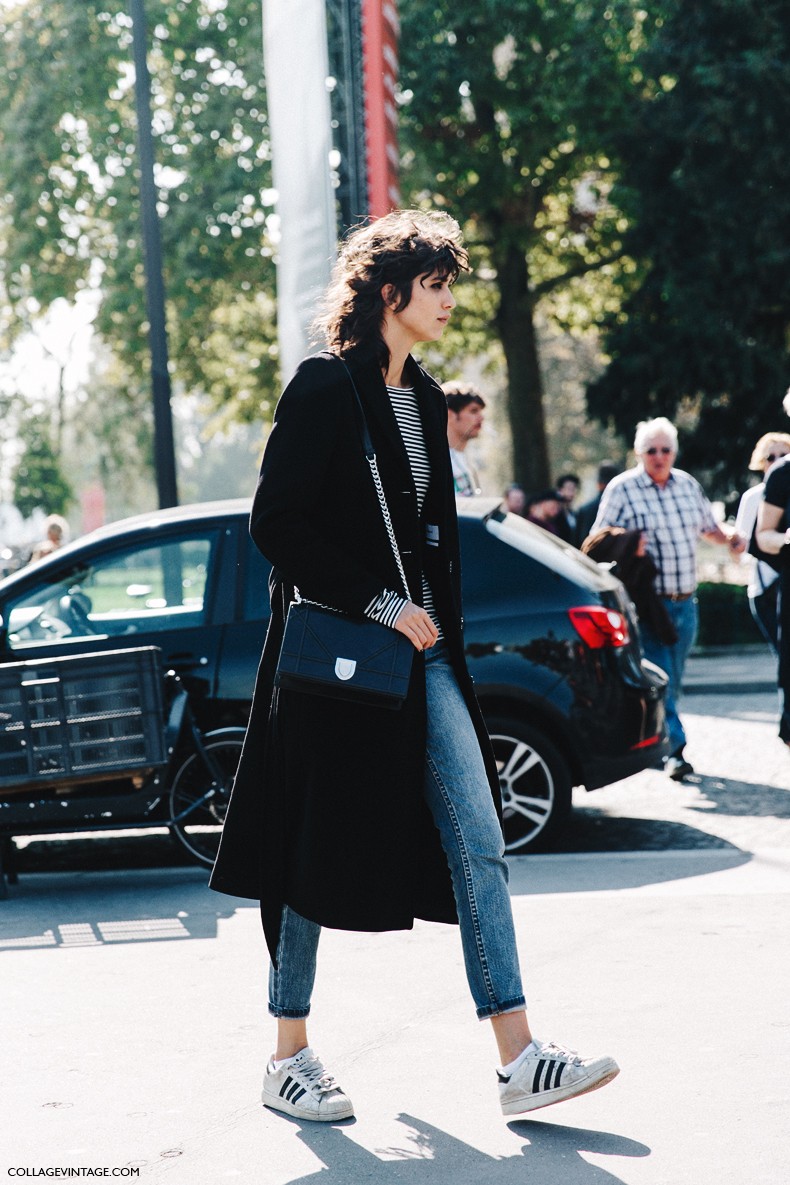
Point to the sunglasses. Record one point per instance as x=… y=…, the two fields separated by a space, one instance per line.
x=651 y=452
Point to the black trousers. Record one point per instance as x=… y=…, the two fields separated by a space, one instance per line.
x=764 y=611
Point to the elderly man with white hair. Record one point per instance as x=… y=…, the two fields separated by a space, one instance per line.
x=671 y=510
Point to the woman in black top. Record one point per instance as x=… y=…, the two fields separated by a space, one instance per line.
x=353 y=816
x=773 y=536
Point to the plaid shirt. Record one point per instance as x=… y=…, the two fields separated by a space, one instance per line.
x=672 y=518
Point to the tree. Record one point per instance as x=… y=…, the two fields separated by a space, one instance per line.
x=39 y=483
x=69 y=218
x=507 y=113
x=703 y=333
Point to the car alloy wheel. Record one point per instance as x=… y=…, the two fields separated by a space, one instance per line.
x=535 y=783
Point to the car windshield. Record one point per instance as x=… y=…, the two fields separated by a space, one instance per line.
x=139 y=589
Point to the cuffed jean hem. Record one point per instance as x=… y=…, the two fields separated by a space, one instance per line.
x=459 y=797
x=517 y=1005
x=288 y=1013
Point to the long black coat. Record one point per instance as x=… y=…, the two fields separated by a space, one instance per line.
x=327 y=812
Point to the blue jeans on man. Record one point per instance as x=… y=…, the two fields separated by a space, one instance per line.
x=672 y=659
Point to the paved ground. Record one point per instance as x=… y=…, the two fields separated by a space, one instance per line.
x=745 y=670
x=134 y=1033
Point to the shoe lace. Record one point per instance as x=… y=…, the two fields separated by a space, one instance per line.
x=553 y=1049
x=313 y=1074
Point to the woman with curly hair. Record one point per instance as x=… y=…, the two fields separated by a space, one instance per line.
x=353 y=816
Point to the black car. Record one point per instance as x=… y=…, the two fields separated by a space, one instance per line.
x=550 y=637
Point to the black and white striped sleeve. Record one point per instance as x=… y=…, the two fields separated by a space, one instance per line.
x=386 y=607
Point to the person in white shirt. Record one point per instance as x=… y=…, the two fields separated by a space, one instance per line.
x=464 y=421
x=764 y=584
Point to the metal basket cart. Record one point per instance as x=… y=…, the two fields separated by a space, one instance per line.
x=72 y=720
x=108 y=741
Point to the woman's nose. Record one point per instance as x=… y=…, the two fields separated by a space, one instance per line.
x=449 y=300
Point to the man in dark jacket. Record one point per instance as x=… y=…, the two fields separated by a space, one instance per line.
x=565 y=526
x=588 y=511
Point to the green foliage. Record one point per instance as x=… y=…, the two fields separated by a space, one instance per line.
x=39 y=483
x=724 y=616
x=507 y=113
x=68 y=174
x=703 y=332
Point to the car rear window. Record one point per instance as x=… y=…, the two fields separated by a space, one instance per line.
x=494 y=569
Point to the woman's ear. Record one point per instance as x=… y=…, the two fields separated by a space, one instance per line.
x=388 y=296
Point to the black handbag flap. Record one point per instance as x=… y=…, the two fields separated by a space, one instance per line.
x=326 y=653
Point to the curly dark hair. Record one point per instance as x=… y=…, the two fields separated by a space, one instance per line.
x=395 y=250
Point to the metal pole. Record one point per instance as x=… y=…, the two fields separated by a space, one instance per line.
x=344 y=36
x=164 y=449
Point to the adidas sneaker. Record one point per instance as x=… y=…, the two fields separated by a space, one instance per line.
x=303 y=1088
x=549 y=1073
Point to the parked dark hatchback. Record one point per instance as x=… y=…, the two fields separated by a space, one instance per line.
x=550 y=637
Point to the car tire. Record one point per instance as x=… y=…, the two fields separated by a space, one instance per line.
x=535 y=781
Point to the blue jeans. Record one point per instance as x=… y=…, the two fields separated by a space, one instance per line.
x=459 y=797
x=685 y=616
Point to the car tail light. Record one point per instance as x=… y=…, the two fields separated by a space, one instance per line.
x=599 y=627
x=648 y=741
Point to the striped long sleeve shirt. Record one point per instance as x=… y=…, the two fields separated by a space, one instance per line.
x=386 y=607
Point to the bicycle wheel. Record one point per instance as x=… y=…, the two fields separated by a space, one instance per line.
x=199 y=796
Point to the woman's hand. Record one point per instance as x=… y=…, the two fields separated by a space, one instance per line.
x=415 y=623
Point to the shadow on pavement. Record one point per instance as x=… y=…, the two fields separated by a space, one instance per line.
x=592 y=829
x=728 y=797
x=99 y=908
x=589 y=873
x=548 y=1152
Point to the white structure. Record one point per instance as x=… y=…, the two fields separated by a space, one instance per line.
x=296 y=66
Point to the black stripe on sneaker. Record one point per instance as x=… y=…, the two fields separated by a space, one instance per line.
x=536 y=1079
x=285 y=1085
x=294 y=1098
x=553 y=1068
x=292 y=1092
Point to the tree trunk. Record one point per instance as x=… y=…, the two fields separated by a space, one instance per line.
x=515 y=322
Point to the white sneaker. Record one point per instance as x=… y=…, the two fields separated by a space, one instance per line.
x=303 y=1088
x=549 y=1073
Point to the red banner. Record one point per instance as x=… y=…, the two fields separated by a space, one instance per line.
x=380 y=29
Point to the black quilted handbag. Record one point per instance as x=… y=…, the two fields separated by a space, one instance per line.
x=325 y=652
